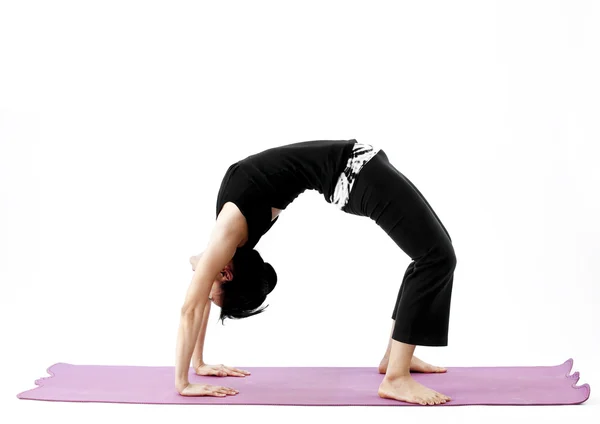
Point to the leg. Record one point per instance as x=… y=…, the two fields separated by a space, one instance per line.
x=430 y=208
x=382 y=193
x=416 y=364
x=422 y=319
x=423 y=309
x=398 y=383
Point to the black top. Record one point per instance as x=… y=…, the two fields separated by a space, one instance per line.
x=275 y=177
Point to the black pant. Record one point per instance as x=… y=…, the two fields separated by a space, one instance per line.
x=385 y=195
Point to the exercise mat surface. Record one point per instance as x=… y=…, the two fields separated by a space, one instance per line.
x=539 y=385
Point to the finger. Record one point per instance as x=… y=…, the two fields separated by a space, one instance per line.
x=226 y=391
x=237 y=372
x=210 y=392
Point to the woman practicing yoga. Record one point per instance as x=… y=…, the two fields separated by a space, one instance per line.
x=358 y=179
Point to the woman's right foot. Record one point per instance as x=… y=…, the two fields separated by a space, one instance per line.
x=406 y=389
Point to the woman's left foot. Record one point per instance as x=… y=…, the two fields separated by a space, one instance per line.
x=416 y=365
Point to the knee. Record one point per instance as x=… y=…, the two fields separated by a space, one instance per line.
x=443 y=257
x=448 y=257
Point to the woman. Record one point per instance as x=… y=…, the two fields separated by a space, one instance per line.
x=360 y=180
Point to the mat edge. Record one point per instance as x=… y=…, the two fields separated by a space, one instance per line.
x=40 y=381
x=575 y=378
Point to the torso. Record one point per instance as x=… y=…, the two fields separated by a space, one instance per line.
x=277 y=176
x=274 y=213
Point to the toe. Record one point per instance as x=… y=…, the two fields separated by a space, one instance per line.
x=440 y=398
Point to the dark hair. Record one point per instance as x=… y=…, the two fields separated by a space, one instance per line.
x=253 y=279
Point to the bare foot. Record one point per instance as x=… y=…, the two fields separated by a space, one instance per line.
x=406 y=389
x=416 y=365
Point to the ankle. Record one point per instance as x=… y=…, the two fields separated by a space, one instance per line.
x=397 y=374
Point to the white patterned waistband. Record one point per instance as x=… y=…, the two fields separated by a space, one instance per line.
x=361 y=154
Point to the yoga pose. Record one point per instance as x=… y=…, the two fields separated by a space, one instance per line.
x=358 y=179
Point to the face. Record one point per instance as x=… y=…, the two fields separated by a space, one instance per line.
x=226 y=274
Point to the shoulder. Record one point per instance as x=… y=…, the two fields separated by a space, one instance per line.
x=231 y=223
x=230 y=211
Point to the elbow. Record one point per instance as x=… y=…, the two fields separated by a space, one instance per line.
x=186 y=311
x=187 y=308
x=193 y=307
x=189 y=311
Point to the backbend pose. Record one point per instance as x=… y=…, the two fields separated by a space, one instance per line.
x=358 y=179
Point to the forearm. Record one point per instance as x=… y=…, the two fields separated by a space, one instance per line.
x=197 y=357
x=189 y=328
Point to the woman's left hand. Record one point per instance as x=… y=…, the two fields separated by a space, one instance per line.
x=220 y=371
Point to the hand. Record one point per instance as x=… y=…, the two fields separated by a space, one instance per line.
x=220 y=371
x=206 y=390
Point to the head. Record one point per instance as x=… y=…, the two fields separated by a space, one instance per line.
x=243 y=285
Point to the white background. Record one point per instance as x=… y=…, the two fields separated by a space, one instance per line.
x=119 y=118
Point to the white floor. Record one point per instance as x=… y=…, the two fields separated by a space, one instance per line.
x=35 y=411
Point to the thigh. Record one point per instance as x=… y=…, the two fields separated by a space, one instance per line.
x=385 y=195
x=425 y=200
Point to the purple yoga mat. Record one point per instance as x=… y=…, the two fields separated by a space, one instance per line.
x=310 y=386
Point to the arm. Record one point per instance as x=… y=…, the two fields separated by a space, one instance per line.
x=197 y=358
x=225 y=238
x=201 y=367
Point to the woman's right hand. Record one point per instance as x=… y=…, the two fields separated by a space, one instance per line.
x=207 y=390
